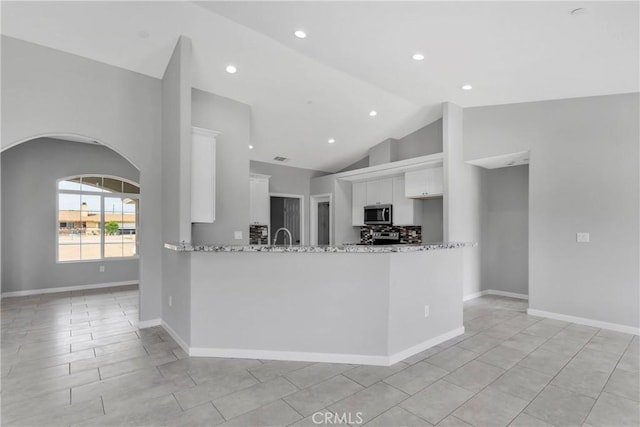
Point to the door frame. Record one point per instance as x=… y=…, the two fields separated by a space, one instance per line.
x=314 y=200
x=301 y=201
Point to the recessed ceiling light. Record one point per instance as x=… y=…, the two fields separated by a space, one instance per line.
x=250 y=147
x=579 y=11
x=231 y=69
x=466 y=87
x=373 y=113
x=331 y=141
x=300 y=34
x=418 y=56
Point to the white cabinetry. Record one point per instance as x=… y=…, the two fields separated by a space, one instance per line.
x=259 y=199
x=379 y=192
x=358 y=202
x=203 y=175
x=424 y=183
x=405 y=211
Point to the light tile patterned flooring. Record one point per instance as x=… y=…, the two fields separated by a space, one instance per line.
x=77 y=358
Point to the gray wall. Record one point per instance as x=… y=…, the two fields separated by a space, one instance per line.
x=431 y=220
x=289 y=180
x=583 y=177
x=233 y=120
x=505 y=229
x=426 y=140
x=176 y=181
x=46 y=91
x=29 y=194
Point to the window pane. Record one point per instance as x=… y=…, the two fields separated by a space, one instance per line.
x=69 y=202
x=130 y=188
x=70 y=184
x=112 y=250
x=90 y=251
x=112 y=185
x=92 y=184
x=69 y=222
x=128 y=249
x=68 y=252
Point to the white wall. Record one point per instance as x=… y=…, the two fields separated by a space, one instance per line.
x=46 y=91
x=29 y=193
x=583 y=177
x=505 y=229
x=289 y=180
x=462 y=200
x=233 y=120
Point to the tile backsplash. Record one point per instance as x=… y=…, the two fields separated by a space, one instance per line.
x=258 y=234
x=409 y=234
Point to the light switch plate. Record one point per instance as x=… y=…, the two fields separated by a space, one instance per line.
x=237 y=235
x=582 y=237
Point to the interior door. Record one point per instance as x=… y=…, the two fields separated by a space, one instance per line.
x=292 y=218
x=323 y=223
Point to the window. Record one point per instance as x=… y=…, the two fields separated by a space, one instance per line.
x=97 y=218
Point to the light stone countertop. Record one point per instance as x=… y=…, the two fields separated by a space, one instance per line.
x=187 y=247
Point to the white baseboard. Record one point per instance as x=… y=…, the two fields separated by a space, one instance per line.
x=67 y=289
x=356 y=359
x=507 y=294
x=494 y=292
x=143 y=324
x=400 y=356
x=584 y=321
x=176 y=337
x=473 y=295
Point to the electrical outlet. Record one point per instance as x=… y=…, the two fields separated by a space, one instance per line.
x=101 y=269
x=237 y=235
x=170 y=300
x=582 y=237
x=426 y=311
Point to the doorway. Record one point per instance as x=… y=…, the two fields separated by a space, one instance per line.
x=321 y=219
x=286 y=212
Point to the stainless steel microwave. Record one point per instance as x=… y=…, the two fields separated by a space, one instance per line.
x=377 y=215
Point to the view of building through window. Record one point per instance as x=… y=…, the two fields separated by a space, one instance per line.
x=97 y=218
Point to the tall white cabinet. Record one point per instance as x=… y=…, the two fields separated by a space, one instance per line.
x=259 y=199
x=203 y=175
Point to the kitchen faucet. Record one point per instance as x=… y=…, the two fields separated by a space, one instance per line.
x=275 y=236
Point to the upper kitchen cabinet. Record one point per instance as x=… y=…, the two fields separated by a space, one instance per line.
x=203 y=175
x=424 y=183
x=259 y=199
x=405 y=211
x=379 y=192
x=358 y=202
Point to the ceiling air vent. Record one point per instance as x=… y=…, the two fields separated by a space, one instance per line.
x=280 y=159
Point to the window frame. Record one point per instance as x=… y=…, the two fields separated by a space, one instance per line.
x=102 y=195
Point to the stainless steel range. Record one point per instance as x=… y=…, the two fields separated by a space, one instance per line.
x=385 y=237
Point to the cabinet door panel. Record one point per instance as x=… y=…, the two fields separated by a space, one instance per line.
x=259 y=201
x=424 y=183
x=379 y=191
x=358 y=201
x=405 y=211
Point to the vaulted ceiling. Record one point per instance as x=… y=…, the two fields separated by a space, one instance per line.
x=357 y=57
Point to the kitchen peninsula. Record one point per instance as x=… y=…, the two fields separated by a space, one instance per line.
x=373 y=305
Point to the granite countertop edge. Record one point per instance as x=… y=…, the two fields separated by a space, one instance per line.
x=187 y=247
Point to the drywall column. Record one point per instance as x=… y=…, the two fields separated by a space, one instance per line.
x=461 y=201
x=176 y=183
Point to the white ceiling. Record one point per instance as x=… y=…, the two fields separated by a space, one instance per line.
x=357 y=57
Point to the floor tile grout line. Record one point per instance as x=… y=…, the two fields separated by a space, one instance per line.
x=608 y=378
x=554 y=377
